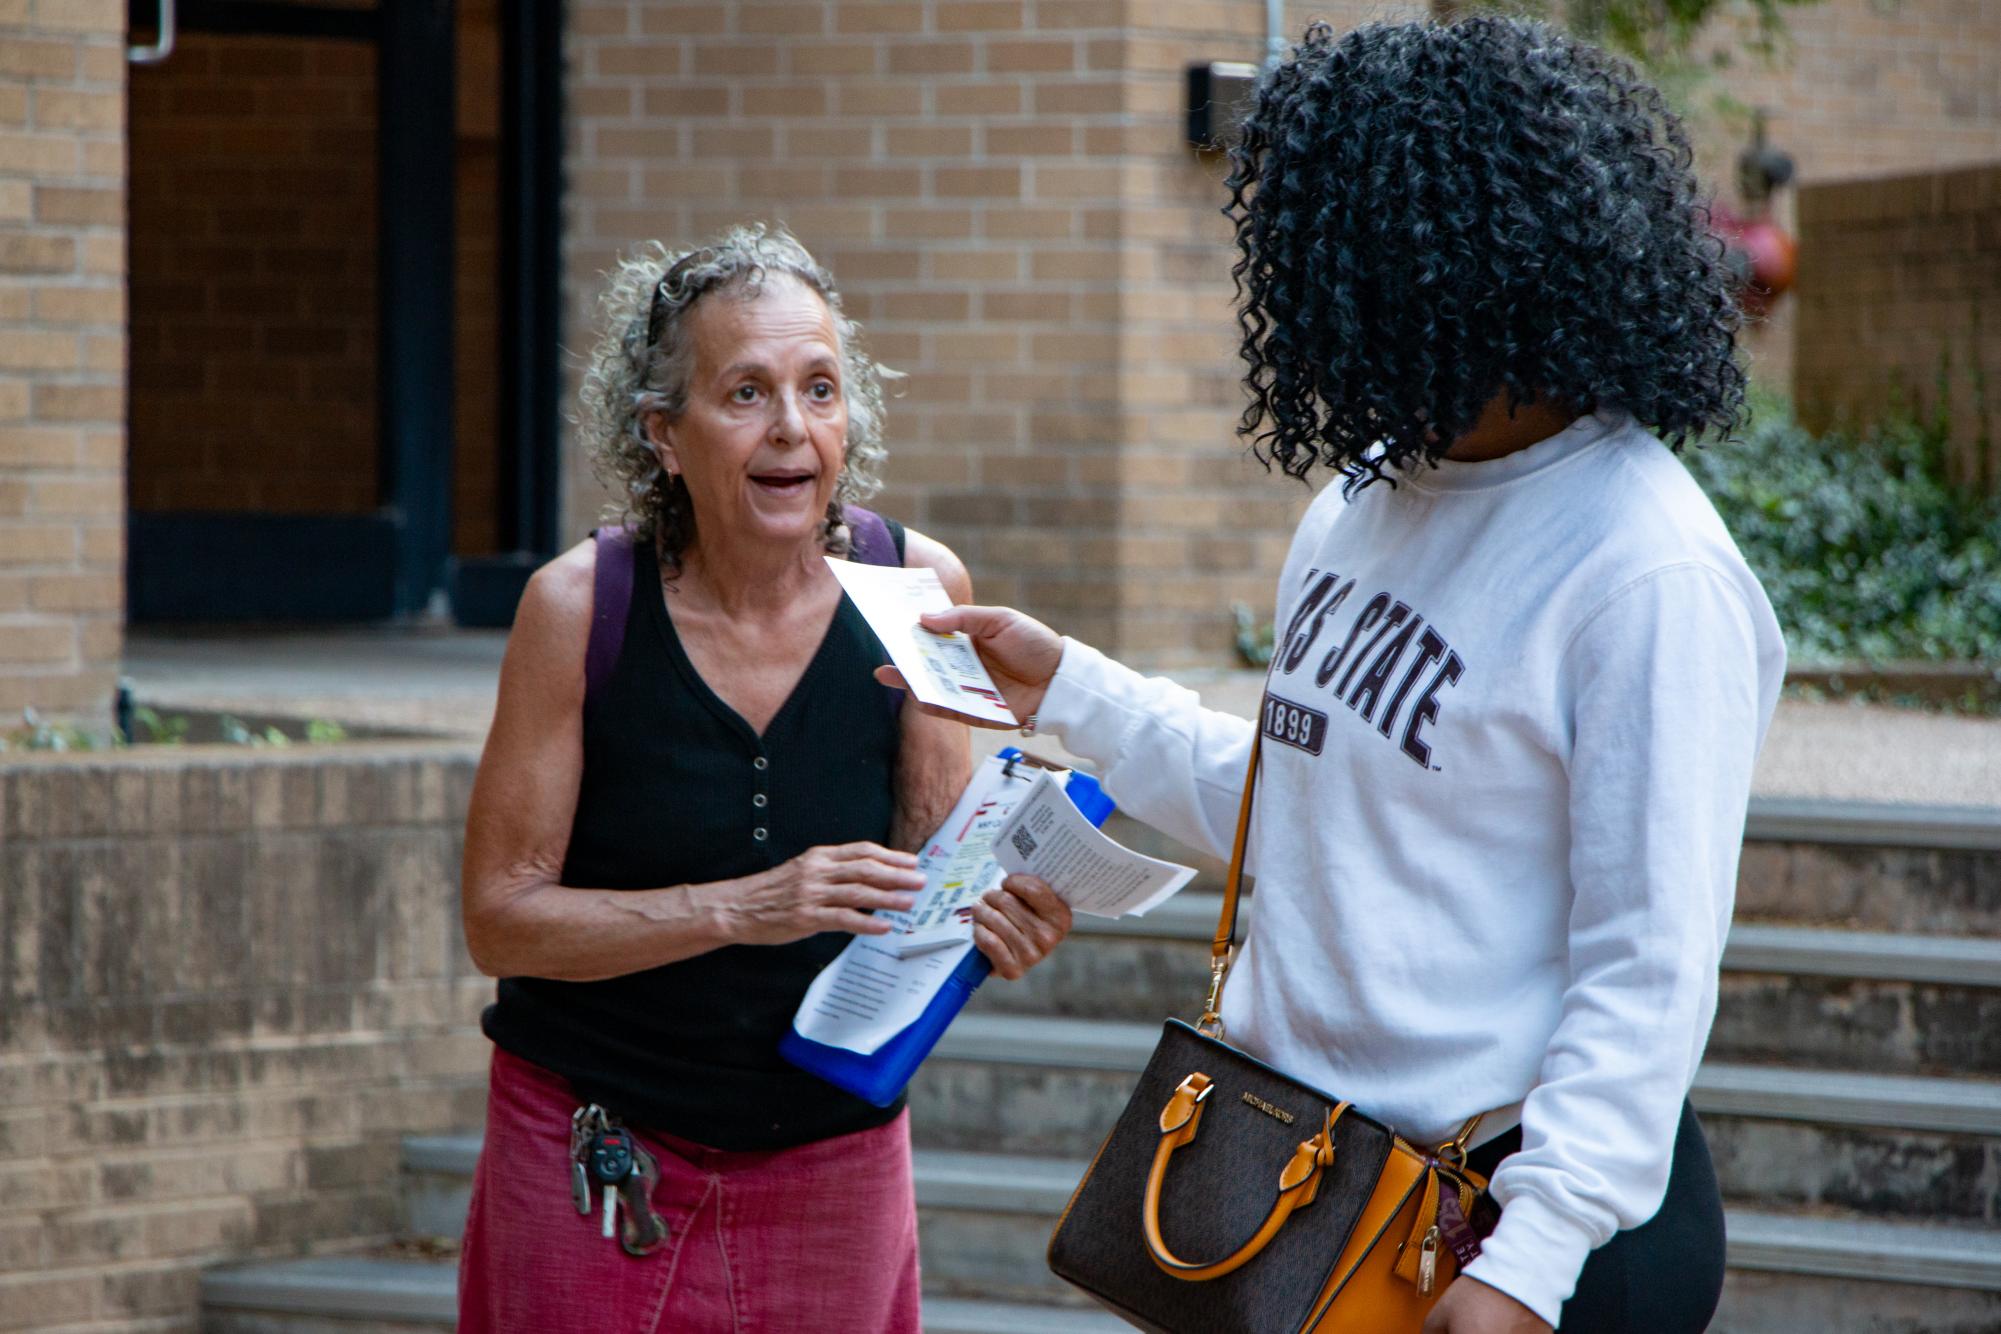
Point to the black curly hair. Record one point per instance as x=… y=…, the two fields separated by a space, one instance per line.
x=1429 y=215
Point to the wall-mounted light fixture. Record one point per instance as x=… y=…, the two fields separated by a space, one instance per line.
x=1219 y=97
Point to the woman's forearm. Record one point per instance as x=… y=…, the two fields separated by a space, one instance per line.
x=545 y=929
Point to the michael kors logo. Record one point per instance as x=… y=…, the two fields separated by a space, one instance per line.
x=1265 y=1107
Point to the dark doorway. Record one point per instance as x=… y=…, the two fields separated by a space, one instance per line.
x=343 y=311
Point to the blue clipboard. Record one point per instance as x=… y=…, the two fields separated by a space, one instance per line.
x=880 y=1076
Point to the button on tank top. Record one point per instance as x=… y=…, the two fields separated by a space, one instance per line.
x=678 y=790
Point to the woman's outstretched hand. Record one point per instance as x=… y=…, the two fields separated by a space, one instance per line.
x=1020 y=653
x=1017 y=925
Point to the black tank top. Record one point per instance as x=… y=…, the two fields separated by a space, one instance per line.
x=678 y=790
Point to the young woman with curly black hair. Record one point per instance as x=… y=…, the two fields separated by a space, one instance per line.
x=1522 y=673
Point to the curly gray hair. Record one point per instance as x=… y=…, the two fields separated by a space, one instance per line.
x=643 y=359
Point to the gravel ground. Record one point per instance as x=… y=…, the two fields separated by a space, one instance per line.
x=443 y=683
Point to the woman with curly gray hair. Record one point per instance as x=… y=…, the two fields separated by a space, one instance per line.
x=691 y=797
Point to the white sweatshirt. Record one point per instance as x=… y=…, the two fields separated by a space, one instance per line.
x=1510 y=726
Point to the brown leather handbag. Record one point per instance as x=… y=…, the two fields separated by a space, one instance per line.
x=1230 y=1197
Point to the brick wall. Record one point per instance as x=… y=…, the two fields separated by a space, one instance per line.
x=62 y=355
x=229 y=984
x=253 y=276
x=1002 y=189
x=1900 y=286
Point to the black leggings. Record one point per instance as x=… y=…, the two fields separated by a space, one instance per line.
x=1664 y=1276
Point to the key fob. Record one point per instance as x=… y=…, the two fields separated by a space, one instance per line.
x=610 y=1157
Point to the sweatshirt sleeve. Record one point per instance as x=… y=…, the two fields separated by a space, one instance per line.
x=1161 y=755
x=1666 y=712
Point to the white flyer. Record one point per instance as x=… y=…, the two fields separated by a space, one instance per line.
x=1048 y=837
x=940 y=669
x=879 y=985
x=958 y=862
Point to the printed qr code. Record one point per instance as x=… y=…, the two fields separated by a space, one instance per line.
x=1024 y=842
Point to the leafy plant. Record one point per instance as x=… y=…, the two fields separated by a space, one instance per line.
x=1866 y=547
x=149 y=728
x=1255 y=638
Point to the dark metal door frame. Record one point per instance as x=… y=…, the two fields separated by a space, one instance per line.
x=417 y=153
x=397 y=562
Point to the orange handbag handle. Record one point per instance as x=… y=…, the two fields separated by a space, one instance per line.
x=1298 y=1183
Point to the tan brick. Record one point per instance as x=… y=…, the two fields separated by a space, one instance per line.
x=981 y=16
x=639 y=60
x=930 y=141
x=1038 y=56
x=54 y=497
x=25 y=57
x=38 y=446
x=37 y=641
x=36 y=253
x=929 y=223
x=101 y=639
x=785 y=19
x=1076 y=99
x=1002 y=98
x=82 y=16
x=932 y=57
x=687 y=100
x=665 y=20
x=879 y=99
x=977 y=182
x=893 y=17
x=103 y=543
x=77 y=592
x=47 y=155
x=56 y=204
x=29 y=350
x=77 y=403
x=784 y=100
x=37 y=543
x=14 y=400
x=821 y=58
x=735 y=60
x=104 y=255
x=57 y=108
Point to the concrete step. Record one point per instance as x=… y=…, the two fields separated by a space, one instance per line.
x=1929 y=870
x=375 y=1296
x=437 y=1183
x=1897 y=1146
x=1880 y=1026
x=331 y=1293
x=947 y=1315
x=1874 y=1000
x=986 y=1217
x=1924 y=870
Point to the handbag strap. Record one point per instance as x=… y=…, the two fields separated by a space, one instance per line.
x=1223 y=947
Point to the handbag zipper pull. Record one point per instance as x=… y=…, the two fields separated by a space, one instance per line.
x=1427 y=1262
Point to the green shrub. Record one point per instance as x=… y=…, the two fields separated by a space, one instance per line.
x=1867 y=550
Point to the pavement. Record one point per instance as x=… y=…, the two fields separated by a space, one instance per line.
x=442 y=683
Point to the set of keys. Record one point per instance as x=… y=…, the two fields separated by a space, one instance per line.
x=604 y=1153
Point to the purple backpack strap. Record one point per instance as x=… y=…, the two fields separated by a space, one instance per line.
x=611 y=600
x=871 y=537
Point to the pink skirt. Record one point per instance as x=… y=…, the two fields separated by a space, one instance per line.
x=818 y=1237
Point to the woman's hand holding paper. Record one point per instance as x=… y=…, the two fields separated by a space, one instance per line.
x=1020 y=653
x=1017 y=925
